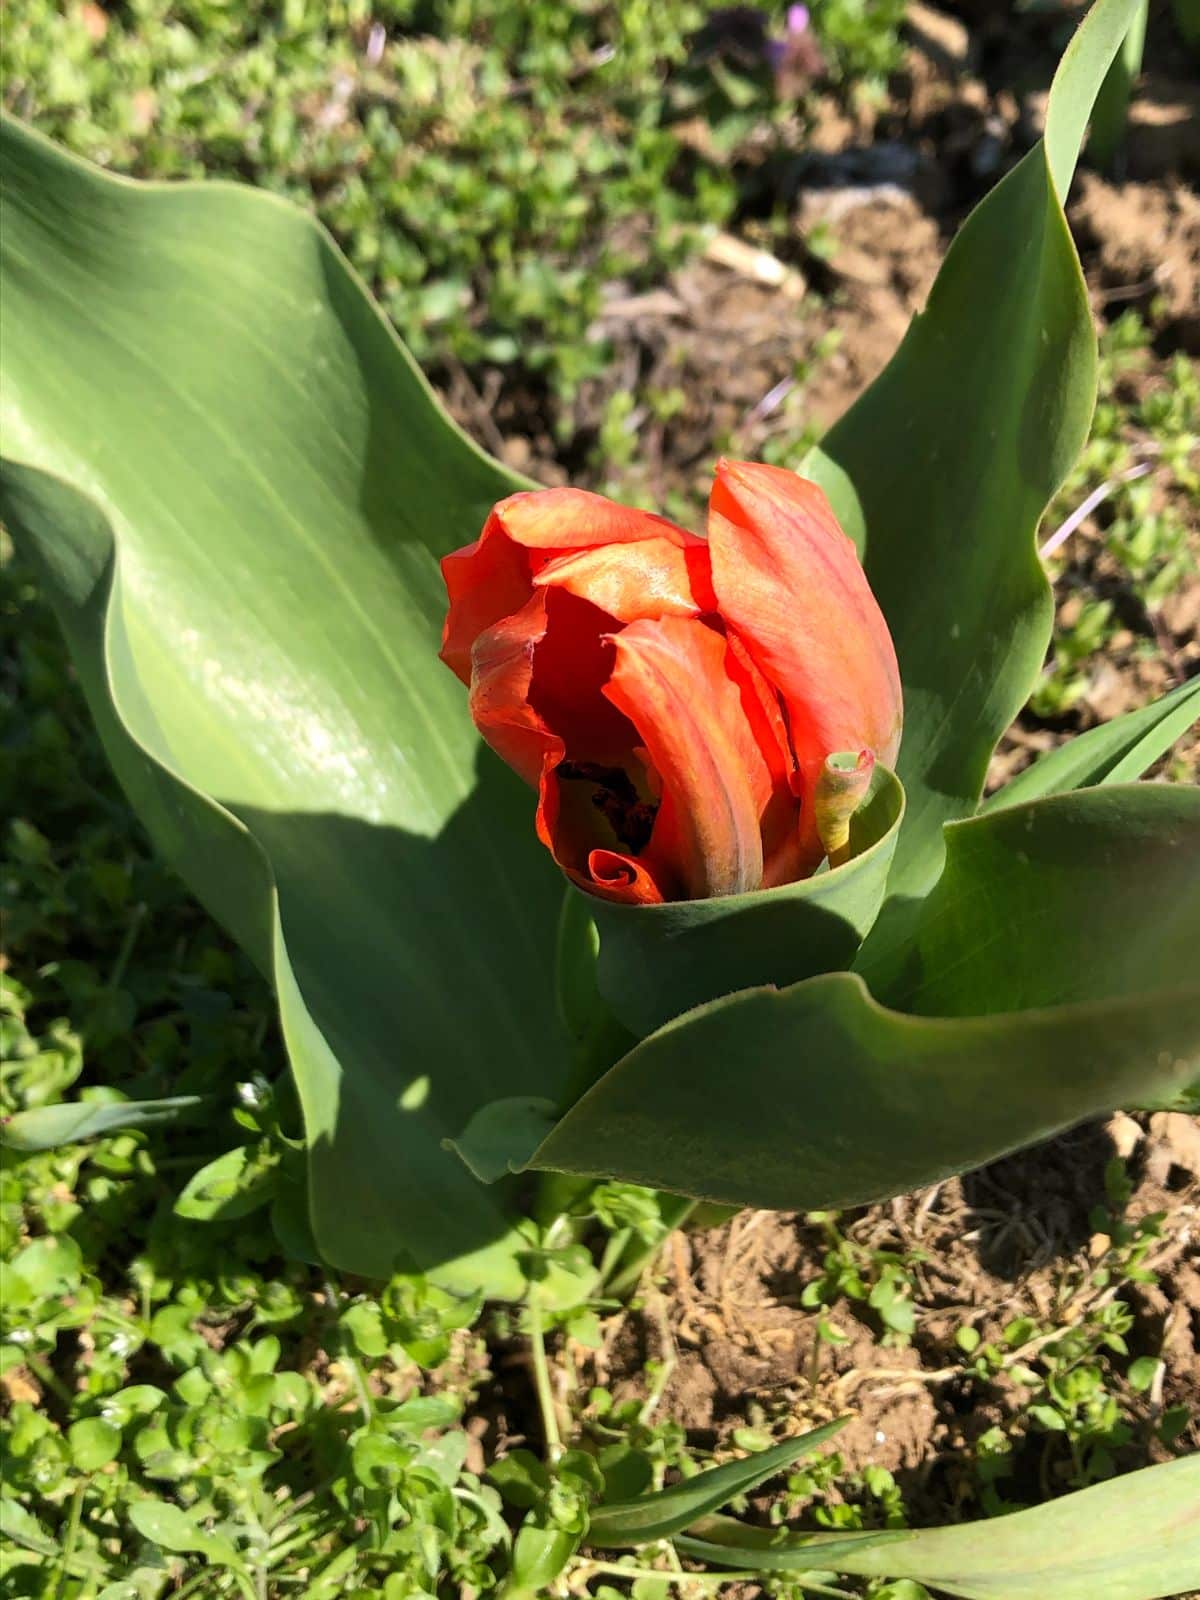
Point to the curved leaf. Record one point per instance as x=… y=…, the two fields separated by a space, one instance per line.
x=1053 y=968
x=944 y=466
x=45 y=1127
x=657 y=1516
x=1116 y=752
x=1078 y=897
x=657 y=961
x=1136 y=1537
x=819 y=1096
x=236 y=484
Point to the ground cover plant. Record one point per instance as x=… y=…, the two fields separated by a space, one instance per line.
x=264 y=1174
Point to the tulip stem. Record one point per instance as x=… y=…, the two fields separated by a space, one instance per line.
x=542 y=1384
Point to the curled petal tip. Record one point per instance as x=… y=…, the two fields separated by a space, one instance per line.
x=840 y=790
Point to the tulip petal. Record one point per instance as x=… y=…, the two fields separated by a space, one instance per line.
x=784 y=857
x=654 y=577
x=485 y=581
x=575 y=519
x=565 y=819
x=671 y=680
x=789 y=581
x=620 y=878
x=492 y=577
x=574 y=659
x=506 y=661
x=502 y=666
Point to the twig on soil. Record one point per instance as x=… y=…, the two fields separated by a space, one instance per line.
x=760 y=266
x=1088 y=505
x=902 y=1375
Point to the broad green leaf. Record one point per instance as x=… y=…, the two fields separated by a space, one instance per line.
x=45 y=1127
x=658 y=1516
x=657 y=961
x=819 y=1096
x=232 y=1186
x=94 y=1443
x=235 y=485
x=1116 y=752
x=1078 y=897
x=942 y=469
x=502 y=1134
x=170 y=1526
x=1054 y=971
x=724 y=1542
x=1135 y=1537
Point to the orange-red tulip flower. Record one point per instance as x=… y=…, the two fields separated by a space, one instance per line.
x=672 y=699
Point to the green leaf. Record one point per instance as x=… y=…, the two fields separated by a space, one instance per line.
x=1116 y=752
x=48 y=1266
x=23 y=1528
x=1111 y=114
x=1135 y=1537
x=539 y=1556
x=942 y=469
x=232 y=1186
x=235 y=485
x=94 y=1443
x=1084 y=896
x=170 y=1527
x=658 y=961
x=1054 y=970
x=502 y=1135
x=819 y=1096
x=658 y=1516
x=521 y=1478
x=724 y=1542
x=46 y=1127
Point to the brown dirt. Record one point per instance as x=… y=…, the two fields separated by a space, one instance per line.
x=1013 y=1240
x=1142 y=241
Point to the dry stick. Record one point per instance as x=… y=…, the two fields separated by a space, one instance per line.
x=1087 y=506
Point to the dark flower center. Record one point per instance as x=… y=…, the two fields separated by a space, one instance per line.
x=616 y=798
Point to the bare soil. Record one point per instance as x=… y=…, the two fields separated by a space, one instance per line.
x=1013 y=1240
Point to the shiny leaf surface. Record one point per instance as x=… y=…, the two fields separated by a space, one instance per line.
x=236 y=486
